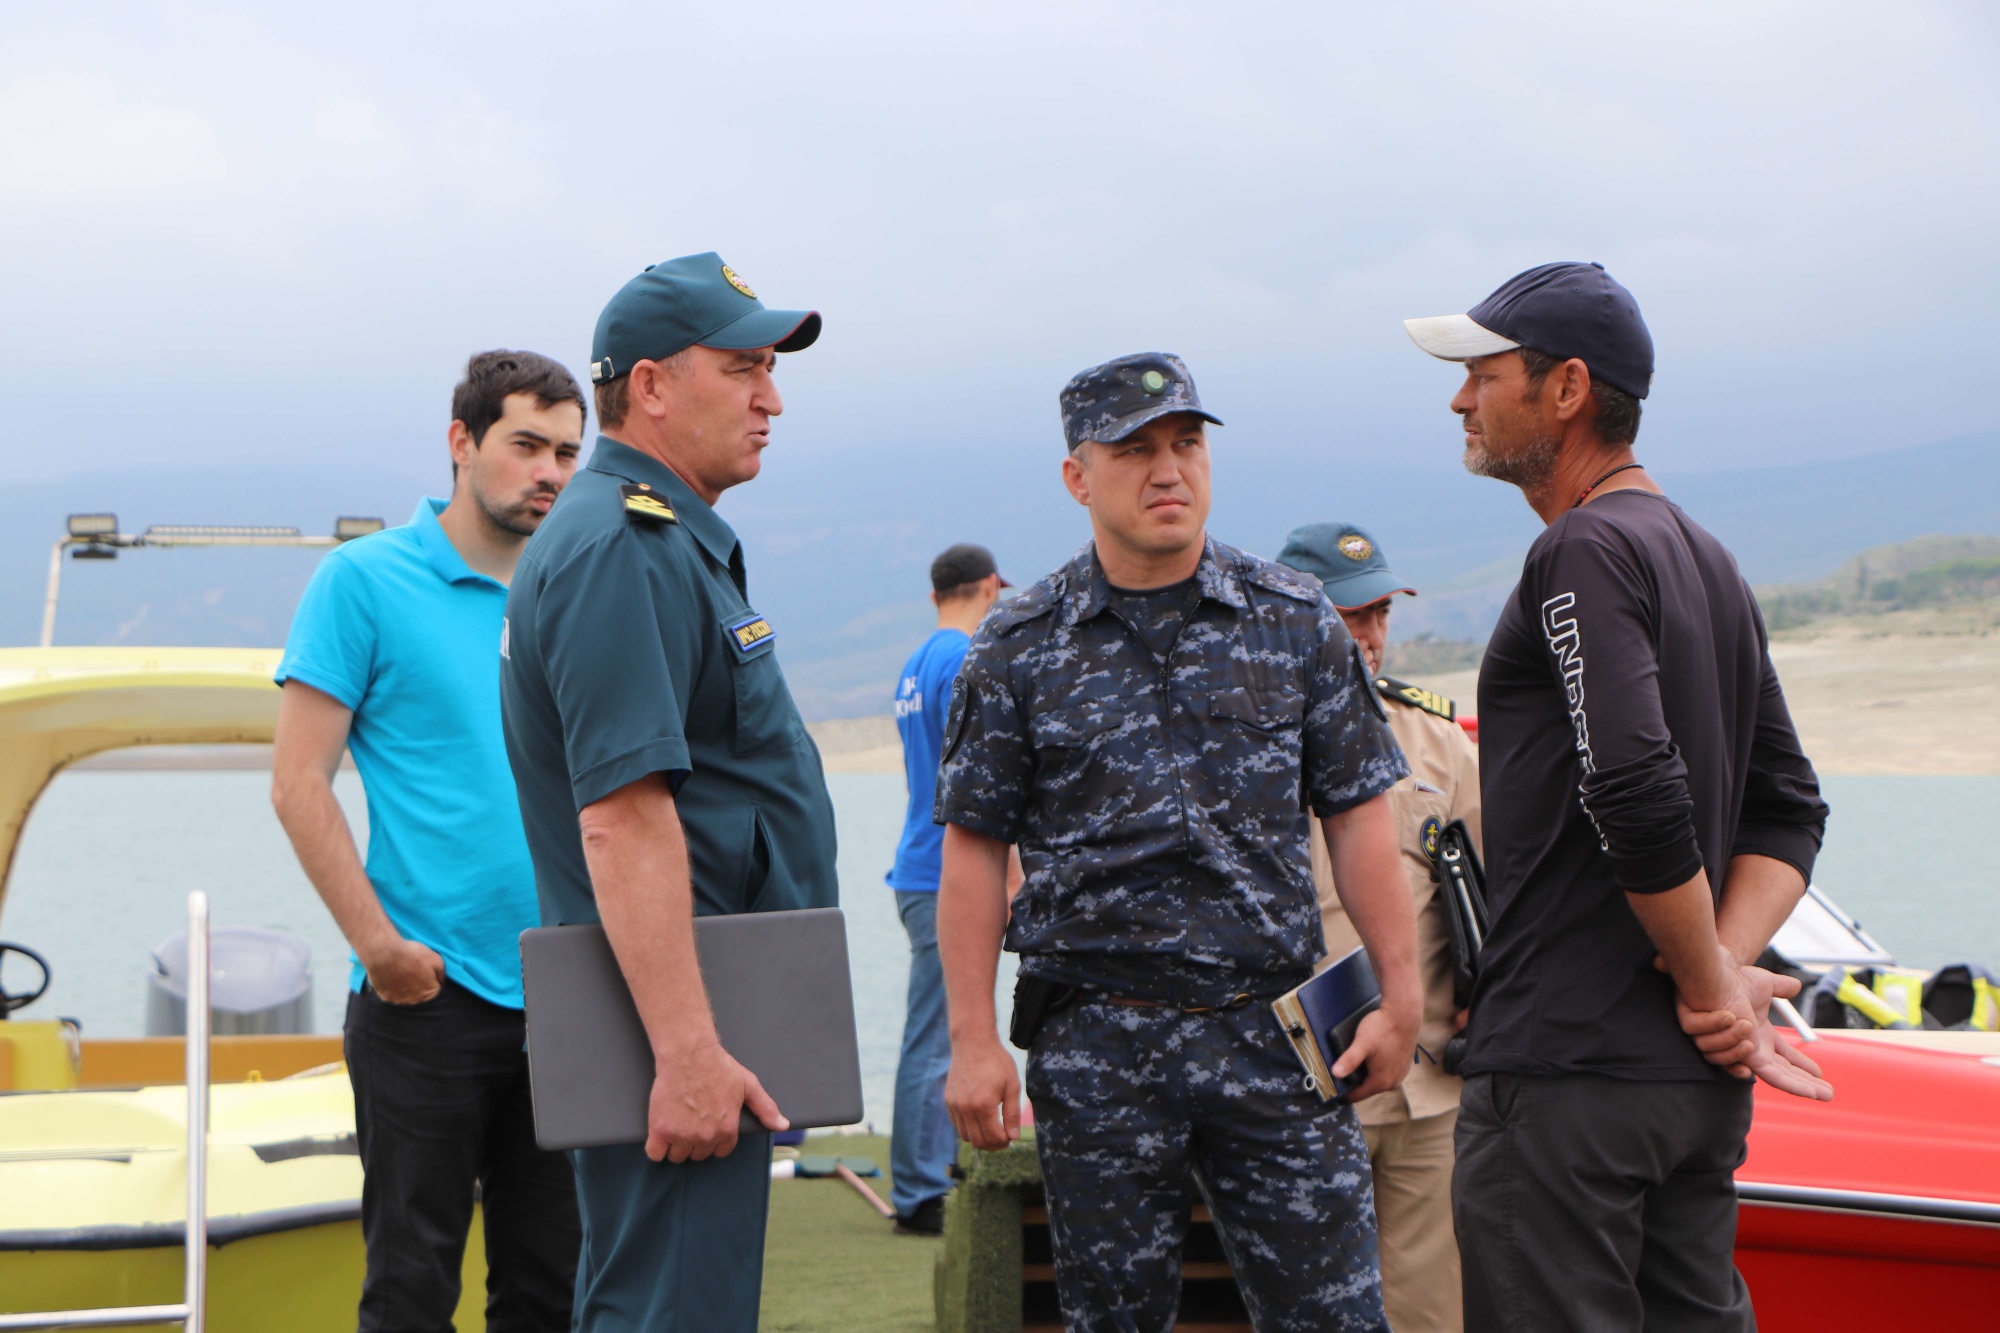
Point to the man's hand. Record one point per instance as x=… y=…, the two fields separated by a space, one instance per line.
x=697 y=1102
x=403 y=971
x=1387 y=1043
x=983 y=1094
x=1738 y=1035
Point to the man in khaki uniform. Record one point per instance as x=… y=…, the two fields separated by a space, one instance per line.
x=1409 y=1129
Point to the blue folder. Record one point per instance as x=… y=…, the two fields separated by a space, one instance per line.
x=1320 y=1018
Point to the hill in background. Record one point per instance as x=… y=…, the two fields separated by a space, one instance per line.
x=1930 y=572
x=839 y=545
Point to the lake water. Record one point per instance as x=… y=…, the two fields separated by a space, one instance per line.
x=108 y=859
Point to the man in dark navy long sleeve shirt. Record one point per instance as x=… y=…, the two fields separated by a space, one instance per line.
x=1645 y=799
x=1632 y=733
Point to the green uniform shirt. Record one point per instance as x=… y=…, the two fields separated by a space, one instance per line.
x=631 y=648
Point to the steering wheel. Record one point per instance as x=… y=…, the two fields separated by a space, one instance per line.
x=9 y=1001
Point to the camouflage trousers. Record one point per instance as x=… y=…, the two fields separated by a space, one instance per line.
x=1132 y=1104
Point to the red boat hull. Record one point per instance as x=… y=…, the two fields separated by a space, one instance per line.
x=1810 y=1270
x=1910 y=1131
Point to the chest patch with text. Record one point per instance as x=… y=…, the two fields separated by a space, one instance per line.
x=750 y=634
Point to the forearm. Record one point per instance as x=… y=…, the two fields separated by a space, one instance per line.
x=971 y=921
x=1757 y=897
x=1681 y=924
x=313 y=820
x=1368 y=877
x=636 y=852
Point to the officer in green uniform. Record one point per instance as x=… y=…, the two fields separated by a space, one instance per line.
x=664 y=772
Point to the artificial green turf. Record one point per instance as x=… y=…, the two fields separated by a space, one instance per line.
x=832 y=1263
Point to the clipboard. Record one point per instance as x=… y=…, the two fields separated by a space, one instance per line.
x=779 y=987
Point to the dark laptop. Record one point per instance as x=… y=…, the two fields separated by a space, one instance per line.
x=777 y=982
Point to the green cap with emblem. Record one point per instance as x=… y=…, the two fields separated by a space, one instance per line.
x=696 y=300
x=1346 y=560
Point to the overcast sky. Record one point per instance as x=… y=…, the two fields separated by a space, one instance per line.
x=233 y=233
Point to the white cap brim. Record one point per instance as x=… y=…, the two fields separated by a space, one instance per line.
x=1456 y=337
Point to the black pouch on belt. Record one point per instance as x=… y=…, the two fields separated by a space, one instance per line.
x=1034 y=1000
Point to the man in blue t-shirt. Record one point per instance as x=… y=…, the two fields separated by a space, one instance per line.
x=394 y=656
x=964 y=583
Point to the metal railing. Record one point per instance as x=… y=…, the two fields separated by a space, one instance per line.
x=96 y=536
x=191 y=1312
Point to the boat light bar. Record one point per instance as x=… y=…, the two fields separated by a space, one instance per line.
x=167 y=532
x=347 y=529
x=93 y=525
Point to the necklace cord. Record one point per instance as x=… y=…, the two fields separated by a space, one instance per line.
x=1622 y=467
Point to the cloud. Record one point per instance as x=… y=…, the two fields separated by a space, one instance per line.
x=334 y=208
x=82 y=139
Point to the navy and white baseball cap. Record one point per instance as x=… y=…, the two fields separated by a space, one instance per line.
x=1560 y=310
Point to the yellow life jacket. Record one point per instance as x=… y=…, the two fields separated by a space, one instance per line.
x=1963 y=996
x=1871 y=1005
x=1902 y=989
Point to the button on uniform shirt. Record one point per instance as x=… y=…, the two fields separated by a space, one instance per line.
x=1443 y=785
x=1159 y=799
x=631 y=648
x=401 y=631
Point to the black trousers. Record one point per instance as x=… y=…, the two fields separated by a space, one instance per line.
x=1600 y=1205
x=441 y=1106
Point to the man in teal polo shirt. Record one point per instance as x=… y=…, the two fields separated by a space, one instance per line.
x=664 y=772
x=391 y=656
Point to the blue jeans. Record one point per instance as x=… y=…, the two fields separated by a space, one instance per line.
x=922 y=1144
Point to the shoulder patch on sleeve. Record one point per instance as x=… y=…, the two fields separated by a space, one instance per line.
x=1430 y=701
x=1282 y=579
x=644 y=505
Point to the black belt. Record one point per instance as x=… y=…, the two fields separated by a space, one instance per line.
x=1236 y=1001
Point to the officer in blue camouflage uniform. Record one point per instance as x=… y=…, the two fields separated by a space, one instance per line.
x=1150 y=724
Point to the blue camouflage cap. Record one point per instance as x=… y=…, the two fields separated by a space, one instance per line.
x=696 y=300
x=1108 y=402
x=1346 y=561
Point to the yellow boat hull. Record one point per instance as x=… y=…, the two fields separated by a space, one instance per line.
x=302 y=1281
x=93 y=1183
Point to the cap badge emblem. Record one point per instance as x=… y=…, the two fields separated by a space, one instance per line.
x=1153 y=382
x=729 y=274
x=1356 y=547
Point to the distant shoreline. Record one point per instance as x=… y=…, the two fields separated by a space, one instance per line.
x=1908 y=692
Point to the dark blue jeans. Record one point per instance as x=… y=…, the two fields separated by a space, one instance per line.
x=922 y=1143
x=441 y=1110
x=1131 y=1104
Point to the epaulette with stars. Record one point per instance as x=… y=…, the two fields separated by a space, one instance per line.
x=1416 y=696
x=643 y=506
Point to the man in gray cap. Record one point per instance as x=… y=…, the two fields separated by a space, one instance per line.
x=664 y=773
x=1409 y=1129
x=1646 y=799
x=1150 y=724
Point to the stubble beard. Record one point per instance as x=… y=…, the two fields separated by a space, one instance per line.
x=1528 y=464
x=519 y=519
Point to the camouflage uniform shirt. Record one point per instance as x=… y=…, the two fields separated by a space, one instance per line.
x=1159 y=802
